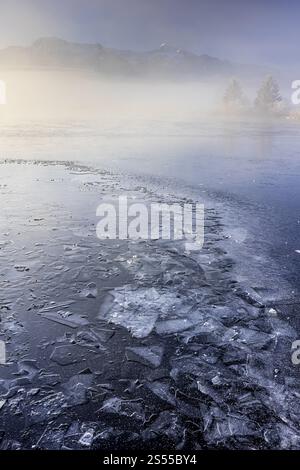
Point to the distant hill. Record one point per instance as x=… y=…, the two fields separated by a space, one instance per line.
x=166 y=62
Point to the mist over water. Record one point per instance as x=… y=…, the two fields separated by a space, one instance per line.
x=169 y=130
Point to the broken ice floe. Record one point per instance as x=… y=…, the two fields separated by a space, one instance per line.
x=126 y=408
x=138 y=310
x=66 y=355
x=168 y=425
x=66 y=318
x=76 y=389
x=47 y=408
x=151 y=356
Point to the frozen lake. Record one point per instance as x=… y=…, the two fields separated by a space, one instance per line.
x=253 y=167
x=112 y=343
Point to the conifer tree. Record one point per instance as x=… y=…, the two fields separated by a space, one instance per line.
x=268 y=96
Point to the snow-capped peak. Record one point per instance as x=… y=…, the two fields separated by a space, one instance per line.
x=166 y=48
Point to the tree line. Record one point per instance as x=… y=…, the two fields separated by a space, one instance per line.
x=268 y=99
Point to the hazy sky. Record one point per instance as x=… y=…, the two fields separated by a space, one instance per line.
x=254 y=31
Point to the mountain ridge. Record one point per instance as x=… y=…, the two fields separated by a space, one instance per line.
x=165 y=62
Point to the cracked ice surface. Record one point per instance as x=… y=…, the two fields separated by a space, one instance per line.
x=143 y=309
x=110 y=343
